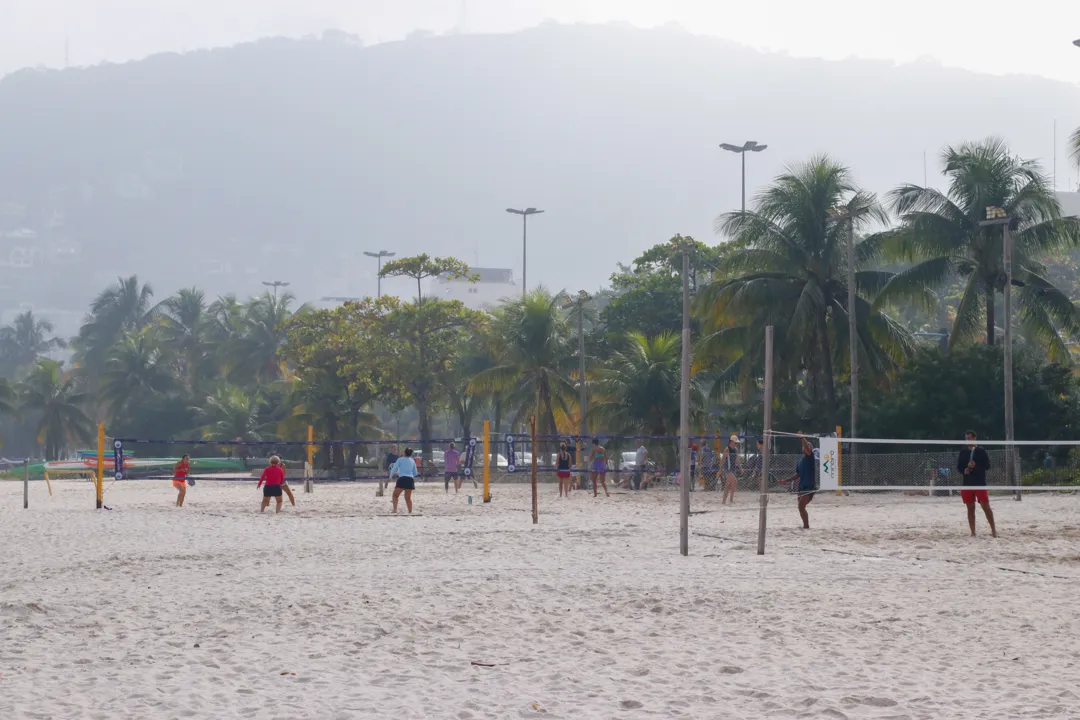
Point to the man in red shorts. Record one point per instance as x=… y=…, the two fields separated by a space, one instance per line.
x=973 y=463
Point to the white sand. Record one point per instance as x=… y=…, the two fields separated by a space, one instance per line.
x=152 y=612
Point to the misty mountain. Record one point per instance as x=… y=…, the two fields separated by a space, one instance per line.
x=285 y=159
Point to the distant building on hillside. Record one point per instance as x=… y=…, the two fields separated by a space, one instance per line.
x=1070 y=203
x=492 y=285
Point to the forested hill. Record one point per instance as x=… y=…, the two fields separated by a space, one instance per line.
x=284 y=159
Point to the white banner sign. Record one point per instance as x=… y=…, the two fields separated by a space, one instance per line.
x=828 y=465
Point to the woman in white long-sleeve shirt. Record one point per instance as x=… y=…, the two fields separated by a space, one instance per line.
x=405 y=470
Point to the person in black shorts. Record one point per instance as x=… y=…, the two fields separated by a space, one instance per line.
x=732 y=467
x=805 y=474
x=562 y=469
x=405 y=469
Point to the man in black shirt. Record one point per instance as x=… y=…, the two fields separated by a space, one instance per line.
x=973 y=464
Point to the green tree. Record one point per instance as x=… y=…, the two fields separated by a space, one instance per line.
x=940 y=395
x=942 y=236
x=136 y=372
x=185 y=333
x=25 y=340
x=535 y=355
x=426 y=341
x=638 y=389
x=789 y=269
x=253 y=340
x=229 y=413
x=52 y=400
x=118 y=309
x=422 y=267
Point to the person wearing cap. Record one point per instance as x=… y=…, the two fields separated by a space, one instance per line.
x=731 y=466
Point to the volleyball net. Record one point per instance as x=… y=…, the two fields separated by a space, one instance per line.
x=942 y=467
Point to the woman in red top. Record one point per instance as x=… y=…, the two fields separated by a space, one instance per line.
x=274 y=477
x=180 y=473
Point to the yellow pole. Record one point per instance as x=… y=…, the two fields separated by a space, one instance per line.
x=487 y=461
x=309 y=467
x=839 y=460
x=100 y=462
x=47 y=483
x=310 y=447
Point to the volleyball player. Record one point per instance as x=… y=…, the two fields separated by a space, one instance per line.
x=405 y=470
x=179 y=482
x=973 y=462
x=804 y=473
x=731 y=466
x=599 y=467
x=562 y=467
x=274 y=477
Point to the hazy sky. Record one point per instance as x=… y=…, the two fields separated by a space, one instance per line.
x=995 y=36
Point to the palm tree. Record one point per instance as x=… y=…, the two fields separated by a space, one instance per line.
x=186 y=333
x=535 y=357
x=1074 y=143
x=638 y=388
x=789 y=269
x=253 y=354
x=229 y=414
x=52 y=398
x=135 y=371
x=25 y=340
x=942 y=235
x=118 y=309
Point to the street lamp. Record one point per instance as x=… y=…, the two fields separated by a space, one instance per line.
x=275 y=284
x=579 y=303
x=379 y=256
x=524 y=239
x=748 y=146
x=997 y=216
x=1076 y=42
x=685 y=246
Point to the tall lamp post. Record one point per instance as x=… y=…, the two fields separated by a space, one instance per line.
x=379 y=256
x=996 y=216
x=684 y=406
x=748 y=146
x=275 y=284
x=579 y=303
x=524 y=240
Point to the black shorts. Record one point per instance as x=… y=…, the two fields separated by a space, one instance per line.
x=807 y=492
x=405 y=483
x=271 y=491
x=451 y=476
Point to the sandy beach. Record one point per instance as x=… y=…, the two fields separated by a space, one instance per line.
x=333 y=610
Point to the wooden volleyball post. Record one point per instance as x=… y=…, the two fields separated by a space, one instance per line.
x=99 y=479
x=487 y=461
x=532 y=423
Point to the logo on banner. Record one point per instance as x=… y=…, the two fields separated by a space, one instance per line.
x=118 y=460
x=511 y=456
x=470 y=455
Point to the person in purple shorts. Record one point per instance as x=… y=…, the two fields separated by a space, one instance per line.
x=599 y=467
x=451 y=457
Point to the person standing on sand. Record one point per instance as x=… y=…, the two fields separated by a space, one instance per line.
x=405 y=470
x=804 y=473
x=179 y=482
x=599 y=467
x=274 y=477
x=450 y=460
x=973 y=463
x=641 y=465
x=731 y=467
x=562 y=469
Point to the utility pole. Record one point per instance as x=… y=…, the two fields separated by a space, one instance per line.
x=748 y=146
x=997 y=216
x=684 y=407
x=379 y=256
x=763 y=485
x=524 y=241
x=579 y=303
x=848 y=217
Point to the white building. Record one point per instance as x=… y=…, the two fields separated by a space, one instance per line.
x=491 y=287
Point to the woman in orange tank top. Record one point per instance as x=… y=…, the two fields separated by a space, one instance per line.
x=180 y=473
